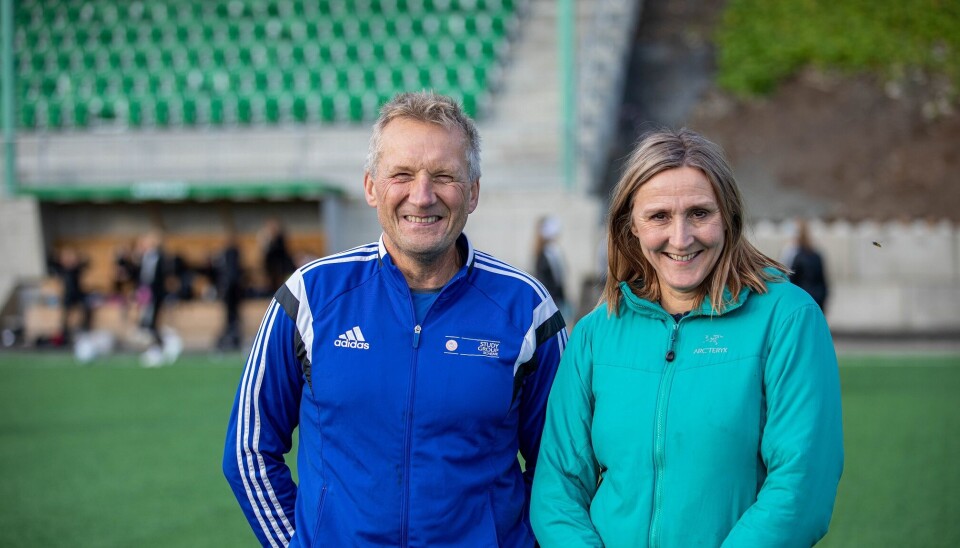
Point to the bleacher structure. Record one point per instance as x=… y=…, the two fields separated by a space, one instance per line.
x=189 y=112
x=190 y=63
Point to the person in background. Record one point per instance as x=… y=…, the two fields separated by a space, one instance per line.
x=228 y=274
x=699 y=404
x=806 y=264
x=416 y=367
x=151 y=292
x=277 y=261
x=549 y=266
x=125 y=273
x=69 y=266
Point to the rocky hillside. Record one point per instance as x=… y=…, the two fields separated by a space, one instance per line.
x=823 y=144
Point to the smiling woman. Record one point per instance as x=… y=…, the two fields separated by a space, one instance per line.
x=702 y=362
x=678 y=224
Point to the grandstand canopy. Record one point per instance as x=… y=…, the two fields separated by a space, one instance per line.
x=175 y=191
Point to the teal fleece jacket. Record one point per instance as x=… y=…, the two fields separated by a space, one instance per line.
x=717 y=430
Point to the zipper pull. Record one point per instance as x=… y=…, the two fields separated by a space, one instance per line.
x=416 y=336
x=673 y=339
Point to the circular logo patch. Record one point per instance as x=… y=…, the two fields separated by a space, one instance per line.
x=451 y=345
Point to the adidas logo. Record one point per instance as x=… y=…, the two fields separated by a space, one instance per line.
x=353 y=338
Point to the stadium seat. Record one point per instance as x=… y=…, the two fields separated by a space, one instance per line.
x=28 y=114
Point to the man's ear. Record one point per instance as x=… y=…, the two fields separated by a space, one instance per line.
x=368 y=190
x=474 y=195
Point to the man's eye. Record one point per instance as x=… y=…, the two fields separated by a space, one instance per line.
x=658 y=217
x=699 y=213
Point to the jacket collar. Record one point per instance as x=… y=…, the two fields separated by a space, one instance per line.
x=644 y=306
x=463 y=245
x=637 y=304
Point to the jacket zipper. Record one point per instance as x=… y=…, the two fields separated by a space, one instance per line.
x=408 y=435
x=663 y=395
x=405 y=509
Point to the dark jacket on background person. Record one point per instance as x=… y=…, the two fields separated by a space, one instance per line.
x=808 y=273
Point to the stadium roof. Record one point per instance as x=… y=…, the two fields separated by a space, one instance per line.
x=181 y=191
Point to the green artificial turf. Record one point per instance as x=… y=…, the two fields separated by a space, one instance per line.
x=901 y=476
x=111 y=454
x=115 y=455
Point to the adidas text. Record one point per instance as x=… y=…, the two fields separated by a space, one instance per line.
x=352 y=344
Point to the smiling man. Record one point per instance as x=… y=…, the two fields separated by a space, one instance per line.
x=416 y=367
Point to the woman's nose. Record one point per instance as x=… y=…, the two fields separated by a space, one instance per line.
x=681 y=234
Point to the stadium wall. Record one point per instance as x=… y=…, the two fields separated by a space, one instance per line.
x=21 y=245
x=890 y=277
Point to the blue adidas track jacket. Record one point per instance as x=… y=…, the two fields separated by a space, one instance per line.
x=408 y=433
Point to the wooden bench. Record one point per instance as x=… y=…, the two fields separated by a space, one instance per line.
x=195 y=249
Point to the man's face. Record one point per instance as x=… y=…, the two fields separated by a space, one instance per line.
x=421 y=190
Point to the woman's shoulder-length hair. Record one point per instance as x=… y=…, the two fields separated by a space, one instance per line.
x=740 y=263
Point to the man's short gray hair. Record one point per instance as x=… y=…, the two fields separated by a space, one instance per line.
x=433 y=108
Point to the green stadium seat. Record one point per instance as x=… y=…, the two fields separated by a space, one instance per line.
x=216 y=114
x=38 y=61
x=28 y=114
x=102 y=109
x=355 y=112
x=80 y=36
x=131 y=35
x=188 y=110
x=298 y=108
x=161 y=111
x=105 y=36
x=64 y=60
x=244 y=110
x=327 y=110
x=48 y=85
x=271 y=109
x=53 y=115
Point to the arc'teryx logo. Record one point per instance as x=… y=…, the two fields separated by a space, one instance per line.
x=353 y=338
x=715 y=349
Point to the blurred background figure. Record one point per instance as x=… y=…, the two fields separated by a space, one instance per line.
x=125 y=274
x=69 y=265
x=151 y=293
x=549 y=267
x=277 y=261
x=807 y=266
x=228 y=276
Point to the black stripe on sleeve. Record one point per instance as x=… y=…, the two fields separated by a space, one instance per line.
x=291 y=307
x=289 y=303
x=547 y=329
x=525 y=369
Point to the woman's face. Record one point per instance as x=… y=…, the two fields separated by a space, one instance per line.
x=677 y=220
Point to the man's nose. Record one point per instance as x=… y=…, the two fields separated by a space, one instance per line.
x=421 y=190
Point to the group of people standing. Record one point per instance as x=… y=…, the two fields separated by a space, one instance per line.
x=148 y=276
x=697 y=405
